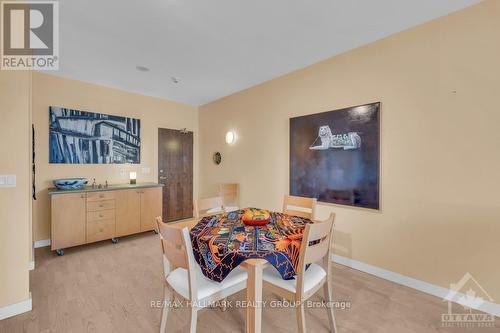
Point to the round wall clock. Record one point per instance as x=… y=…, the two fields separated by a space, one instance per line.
x=217 y=157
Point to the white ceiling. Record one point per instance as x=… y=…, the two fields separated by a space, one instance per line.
x=218 y=47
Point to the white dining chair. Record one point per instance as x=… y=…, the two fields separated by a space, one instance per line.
x=316 y=246
x=184 y=280
x=299 y=206
x=208 y=206
x=230 y=193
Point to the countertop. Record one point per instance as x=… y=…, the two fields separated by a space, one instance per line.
x=115 y=187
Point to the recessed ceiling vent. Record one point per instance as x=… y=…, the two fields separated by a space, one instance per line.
x=142 y=68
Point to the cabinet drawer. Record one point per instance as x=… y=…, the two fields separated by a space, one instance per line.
x=93 y=206
x=96 y=196
x=100 y=230
x=101 y=215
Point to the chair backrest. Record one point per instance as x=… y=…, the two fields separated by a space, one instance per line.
x=299 y=206
x=177 y=251
x=172 y=244
x=316 y=245
x=230 y=194
x=208 y=206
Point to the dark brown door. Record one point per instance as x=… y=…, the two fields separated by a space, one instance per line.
x=175 y=171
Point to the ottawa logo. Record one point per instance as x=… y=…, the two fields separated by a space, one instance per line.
x=468 y=305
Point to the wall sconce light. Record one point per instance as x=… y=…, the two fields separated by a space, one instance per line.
x=230 y=137
x=133 y=178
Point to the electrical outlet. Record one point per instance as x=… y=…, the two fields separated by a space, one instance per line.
x=146 y=170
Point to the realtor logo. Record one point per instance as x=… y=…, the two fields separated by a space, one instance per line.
x=30 y=35
x=469 y=295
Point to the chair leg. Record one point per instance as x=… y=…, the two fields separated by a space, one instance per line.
x=166 y=306
x=193 y=317
x=301 y=318
x=224 y=305
x=328 y=298
x=175 y=300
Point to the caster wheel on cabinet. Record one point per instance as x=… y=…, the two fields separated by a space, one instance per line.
x=114 y=240
x=60 y=252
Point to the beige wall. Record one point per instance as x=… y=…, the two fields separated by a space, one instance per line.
x=154 y=113
x=14 y=202
x=439 y=85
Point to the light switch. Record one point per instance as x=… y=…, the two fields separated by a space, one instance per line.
x=11 y=180
x=146 y=170
x=7 y=180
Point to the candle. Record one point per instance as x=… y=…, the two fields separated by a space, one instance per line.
x=133 y=177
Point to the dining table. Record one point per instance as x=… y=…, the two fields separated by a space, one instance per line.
x=222 y=242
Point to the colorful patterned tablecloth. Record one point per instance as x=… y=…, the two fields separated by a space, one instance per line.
x=222 y=242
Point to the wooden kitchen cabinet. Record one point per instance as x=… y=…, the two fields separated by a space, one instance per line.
x=68 y=220
x=151 y=207
x=99 y=230
x=128 y=212
x=94 y=215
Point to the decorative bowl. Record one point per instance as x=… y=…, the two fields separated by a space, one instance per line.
x=255 y=217
x=70 y=183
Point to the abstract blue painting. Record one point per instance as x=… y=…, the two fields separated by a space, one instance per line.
x=80 y=137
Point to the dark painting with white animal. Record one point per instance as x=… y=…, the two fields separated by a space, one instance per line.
x=335 y=156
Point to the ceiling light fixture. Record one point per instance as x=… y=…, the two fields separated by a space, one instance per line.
x=142 y=68
x=175 y=79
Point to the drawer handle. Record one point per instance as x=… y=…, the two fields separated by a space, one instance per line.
x=101 y=195
x=101 y=229
x=101 y=205
x=100 y=215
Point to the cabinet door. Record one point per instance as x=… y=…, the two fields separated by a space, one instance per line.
x=151 y=207
x=68 y=220
x=128 y=212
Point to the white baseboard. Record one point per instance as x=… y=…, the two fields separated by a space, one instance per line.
x=41 y=243
x=31 y=265
x=428 y=288
x=15 y=309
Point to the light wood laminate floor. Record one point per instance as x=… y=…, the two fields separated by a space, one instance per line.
x=107 y=287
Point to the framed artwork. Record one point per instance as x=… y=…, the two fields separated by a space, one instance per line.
x=80 y=137
x=335 y=156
